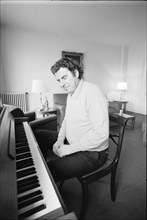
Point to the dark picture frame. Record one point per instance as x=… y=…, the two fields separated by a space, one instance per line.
x=77 y=56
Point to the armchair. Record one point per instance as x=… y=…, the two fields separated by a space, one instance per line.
x=113 y=108
x=49 y=123
x=59 y=100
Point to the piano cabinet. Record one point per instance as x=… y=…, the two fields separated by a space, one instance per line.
x=27 y=189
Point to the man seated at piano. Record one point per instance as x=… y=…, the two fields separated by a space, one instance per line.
x=81 y=145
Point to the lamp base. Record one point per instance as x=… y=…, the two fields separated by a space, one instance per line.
x=41 y=108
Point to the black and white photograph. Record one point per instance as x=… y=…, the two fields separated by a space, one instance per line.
x=73 y=110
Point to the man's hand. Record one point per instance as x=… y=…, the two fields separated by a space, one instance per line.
x=63 y=150
x=57 y=145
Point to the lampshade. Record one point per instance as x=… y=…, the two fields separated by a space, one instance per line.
x=121 y=86
x=39 y=86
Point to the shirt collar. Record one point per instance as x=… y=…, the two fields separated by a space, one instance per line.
x=78 y=90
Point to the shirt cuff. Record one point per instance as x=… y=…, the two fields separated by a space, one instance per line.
x=75 y=147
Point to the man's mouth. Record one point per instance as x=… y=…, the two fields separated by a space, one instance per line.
x=66 y=88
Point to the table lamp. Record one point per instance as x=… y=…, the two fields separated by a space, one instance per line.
x=122 y=86
x=39 y=86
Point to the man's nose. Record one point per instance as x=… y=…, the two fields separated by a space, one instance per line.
x=62 y=83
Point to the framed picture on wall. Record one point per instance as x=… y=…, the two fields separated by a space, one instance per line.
x=77 y=56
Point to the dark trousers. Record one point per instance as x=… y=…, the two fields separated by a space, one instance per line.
x=74 y=165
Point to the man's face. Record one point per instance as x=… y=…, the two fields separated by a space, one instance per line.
x=67 y=80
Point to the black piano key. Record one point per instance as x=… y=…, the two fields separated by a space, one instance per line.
x=27 y=188
x=23 y=182
x=23 y=156
x=22 y=144
x=20 y=130
x=29 y=196
x=27 y=182
x=19 y=125
x=24 y=160
x=21 y=134
x=26 y=172
x=20 y=139
x=22 y=150
x=30 y=201
x=18 y=142
x=31 y=211
x=24 y=163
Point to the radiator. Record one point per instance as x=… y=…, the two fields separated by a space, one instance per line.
x=15 y=98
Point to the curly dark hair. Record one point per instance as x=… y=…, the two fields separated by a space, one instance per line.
x=69 y=63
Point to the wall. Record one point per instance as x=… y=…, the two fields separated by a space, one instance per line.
x=28 y=55
x=136 y=77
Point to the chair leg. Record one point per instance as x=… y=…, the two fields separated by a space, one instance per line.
x=84 y=186
x=113 y=185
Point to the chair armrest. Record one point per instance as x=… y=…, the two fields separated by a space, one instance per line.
x=60 y=113
x=31 y=115
x=48 y=123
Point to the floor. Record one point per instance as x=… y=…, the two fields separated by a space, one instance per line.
x=130 y=202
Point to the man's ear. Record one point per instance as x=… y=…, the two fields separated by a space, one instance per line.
x=76 y=73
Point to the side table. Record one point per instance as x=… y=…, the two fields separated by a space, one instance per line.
x=44 y=113
x=131 y=119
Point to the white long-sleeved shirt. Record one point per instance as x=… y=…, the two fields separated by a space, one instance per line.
x=86 y=124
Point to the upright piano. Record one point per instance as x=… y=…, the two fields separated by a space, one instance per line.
x=27 y=189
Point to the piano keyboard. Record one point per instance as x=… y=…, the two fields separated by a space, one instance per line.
x=35 y=191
